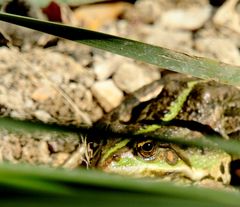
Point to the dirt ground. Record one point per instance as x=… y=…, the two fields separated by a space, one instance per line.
x=57 y=81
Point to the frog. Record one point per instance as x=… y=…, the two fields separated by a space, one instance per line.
x=176 y=106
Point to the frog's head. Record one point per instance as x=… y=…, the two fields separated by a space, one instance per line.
x=149 y=158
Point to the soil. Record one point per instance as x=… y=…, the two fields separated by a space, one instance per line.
x=43 y=78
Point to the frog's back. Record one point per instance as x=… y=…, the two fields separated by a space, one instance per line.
x=208 y=103
x=187 y=100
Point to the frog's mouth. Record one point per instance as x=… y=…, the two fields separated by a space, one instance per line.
x=184 y=175
x=179 y=174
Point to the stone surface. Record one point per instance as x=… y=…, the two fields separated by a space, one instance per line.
x=96 y=15
x=42 y=115
x=107 y=94
x=219 y=48
x=148 y=11
x=172 y=39
x=46 y=86
x=105 y=66
x=49 y=149
x=189 y=19
x=42 y=93
x=229 y=15
x=81 y=54
x=130 y=76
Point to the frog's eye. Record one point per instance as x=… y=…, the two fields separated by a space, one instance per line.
x=146 y=149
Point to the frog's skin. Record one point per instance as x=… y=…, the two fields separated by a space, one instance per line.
x=175 y=106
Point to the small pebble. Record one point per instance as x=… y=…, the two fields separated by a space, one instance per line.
x=130 y=77
x=107 y=94
x=190 y=19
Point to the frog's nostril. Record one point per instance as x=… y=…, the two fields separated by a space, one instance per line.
x=222 y=168
x=220 y=179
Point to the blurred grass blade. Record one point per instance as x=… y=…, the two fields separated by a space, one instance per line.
x=92 y=187
x=164 y=58
x=229 y=146
x=23 y=126
x=14 y=125
x=40 y=186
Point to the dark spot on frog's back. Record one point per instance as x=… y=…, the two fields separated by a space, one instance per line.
x=136 y=112
x=235 y=135
x=203 y=100
x=214 y=91
x=114 y=116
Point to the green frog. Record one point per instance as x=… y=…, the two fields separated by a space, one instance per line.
x=176 y=106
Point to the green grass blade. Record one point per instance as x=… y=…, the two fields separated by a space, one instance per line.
x=93 y=187
x=34 y=185
x=164 y=58
x=98 y=198
x=229 y=146
x=22 y=126
x=14 y=125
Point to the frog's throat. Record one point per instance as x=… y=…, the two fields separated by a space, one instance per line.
x=177 y=105
x=116 y=147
